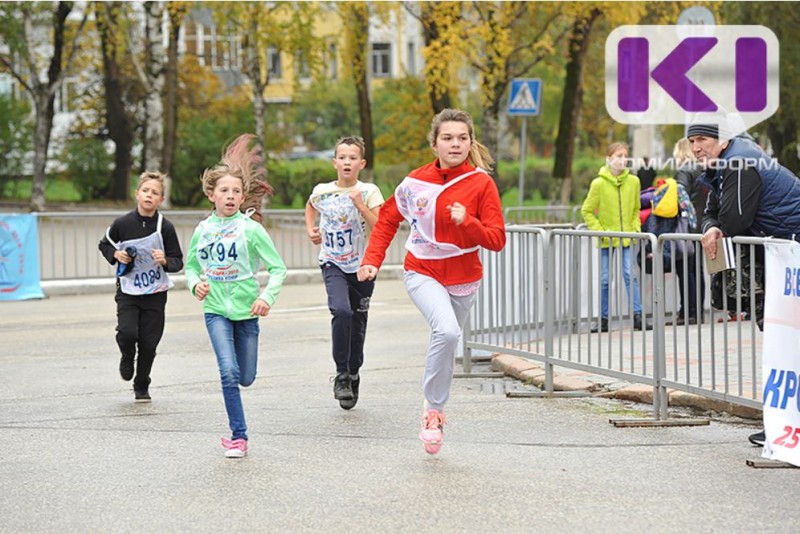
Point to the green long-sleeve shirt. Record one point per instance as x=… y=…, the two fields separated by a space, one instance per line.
x=233 y=299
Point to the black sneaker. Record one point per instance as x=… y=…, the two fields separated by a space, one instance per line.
x=602 y=327
x=126 y=367
x=141 y=396
x=638 y=325
x=758 y=438
x=342 y=389
x=349 y=404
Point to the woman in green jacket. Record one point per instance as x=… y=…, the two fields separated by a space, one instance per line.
x=612 y=205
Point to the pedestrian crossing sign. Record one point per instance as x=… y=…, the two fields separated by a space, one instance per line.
x=525 y=97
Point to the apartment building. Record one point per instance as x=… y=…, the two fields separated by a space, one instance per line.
x=395 y=47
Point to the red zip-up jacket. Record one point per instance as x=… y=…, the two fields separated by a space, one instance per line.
x=483 y=225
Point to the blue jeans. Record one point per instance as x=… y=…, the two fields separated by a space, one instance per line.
x=236 y=346
x=626 y=275
x=348 y=301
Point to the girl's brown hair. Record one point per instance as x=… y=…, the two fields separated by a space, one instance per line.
x=242 y=158
x=479 y=155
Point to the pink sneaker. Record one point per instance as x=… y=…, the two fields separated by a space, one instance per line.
x=431 y=434
x=236 y=448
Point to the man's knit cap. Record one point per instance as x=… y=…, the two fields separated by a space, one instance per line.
x=706 y=130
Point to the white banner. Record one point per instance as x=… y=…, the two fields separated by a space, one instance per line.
x=781 y=361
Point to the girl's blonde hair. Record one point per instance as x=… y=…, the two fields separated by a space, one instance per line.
x=683 y=151
x=613 y=147
x=242 y=158
x=479 y=155
x=146 y=176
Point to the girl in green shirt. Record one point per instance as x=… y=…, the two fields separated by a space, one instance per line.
x=224 y=258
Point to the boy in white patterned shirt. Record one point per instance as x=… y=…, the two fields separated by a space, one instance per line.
x=345 y=208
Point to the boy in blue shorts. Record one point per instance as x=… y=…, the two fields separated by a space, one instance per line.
x=345 y=207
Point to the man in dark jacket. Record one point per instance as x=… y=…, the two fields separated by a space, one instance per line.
x=751 y=194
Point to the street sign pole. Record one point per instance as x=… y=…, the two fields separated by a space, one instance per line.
x=522 y=143
x=524 y=100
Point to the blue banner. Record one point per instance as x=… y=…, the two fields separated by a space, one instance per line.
x=19 y=258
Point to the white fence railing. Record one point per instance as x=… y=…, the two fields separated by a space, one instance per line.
x=68 y=241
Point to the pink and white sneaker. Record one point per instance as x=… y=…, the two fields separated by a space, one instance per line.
x=431 y=433
x=234 y=448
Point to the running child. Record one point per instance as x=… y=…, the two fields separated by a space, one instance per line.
x=224 y=257
x=453 y=208
x=144 y=246
x=345 y=207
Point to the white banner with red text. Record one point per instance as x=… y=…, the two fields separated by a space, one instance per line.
x=781 y=350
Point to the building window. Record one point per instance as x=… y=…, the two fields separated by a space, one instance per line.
x=191 y=38
x=65 y=97
x=331 y=61
x=274 y=63
x=206 y=46
x=301 y=68
x=221 y=56
x=381 y=60
x=234 y=56
x=5 y=84
x=220 y=52
x=411 y=60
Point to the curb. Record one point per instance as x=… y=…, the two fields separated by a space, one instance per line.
x=533 y=373
x=85 y=286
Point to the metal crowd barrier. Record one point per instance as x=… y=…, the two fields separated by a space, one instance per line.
x=68 y=240
x=554 y=214
x=540 y=297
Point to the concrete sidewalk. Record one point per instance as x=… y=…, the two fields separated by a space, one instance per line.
x=532 y=372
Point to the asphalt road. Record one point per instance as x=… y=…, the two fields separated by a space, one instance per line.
x=79 y=456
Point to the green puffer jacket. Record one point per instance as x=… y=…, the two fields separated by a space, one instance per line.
x=612 y=205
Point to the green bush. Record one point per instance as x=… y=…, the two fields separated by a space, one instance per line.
x=88 y=167
x=201 y=141
x=294 y=180
x=323 y=112
x=540 y=186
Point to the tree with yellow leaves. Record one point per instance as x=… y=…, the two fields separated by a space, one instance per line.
x=584 y=18
x=442 y=31
x=505 y=40
x=284 y=26
x=356 y=43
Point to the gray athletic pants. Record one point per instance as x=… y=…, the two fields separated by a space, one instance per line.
x=446 y=315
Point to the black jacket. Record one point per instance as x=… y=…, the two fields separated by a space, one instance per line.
x=698 y=191
x=133 y=226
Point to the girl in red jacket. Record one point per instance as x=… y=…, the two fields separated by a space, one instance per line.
x=453 y=208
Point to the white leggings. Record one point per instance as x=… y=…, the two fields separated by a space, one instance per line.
x=446 y=315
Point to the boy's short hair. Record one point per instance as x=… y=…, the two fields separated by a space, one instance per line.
x=159 y=177
x=350 y=140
